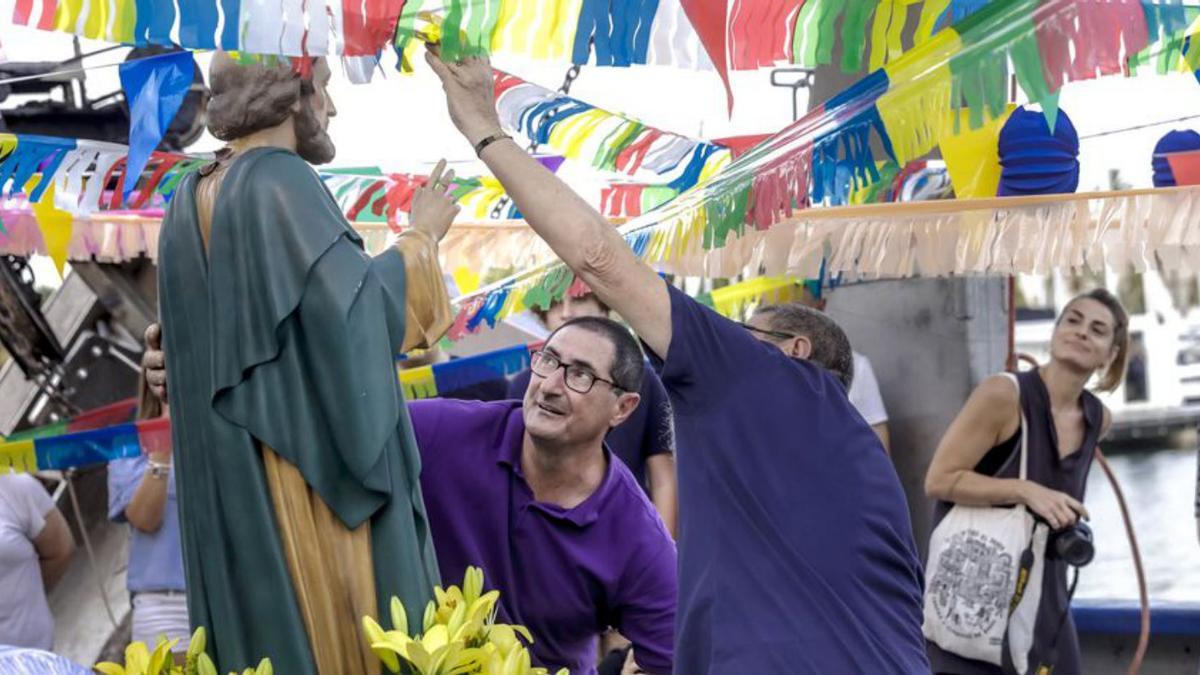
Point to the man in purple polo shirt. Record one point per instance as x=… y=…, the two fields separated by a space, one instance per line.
x=646 y=440
x=528 y=492
x=796 y=550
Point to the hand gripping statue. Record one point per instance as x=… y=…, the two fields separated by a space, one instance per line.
x=298 y=475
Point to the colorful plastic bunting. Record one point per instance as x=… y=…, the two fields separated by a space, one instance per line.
x=154 y=88
x=905 y=109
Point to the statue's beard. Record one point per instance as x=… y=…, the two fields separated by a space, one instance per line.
x=313 y=143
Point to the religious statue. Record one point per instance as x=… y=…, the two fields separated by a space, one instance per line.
x=298 y=474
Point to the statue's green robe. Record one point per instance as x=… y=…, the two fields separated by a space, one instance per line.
x=283 y=335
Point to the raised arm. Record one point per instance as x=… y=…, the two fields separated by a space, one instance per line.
x=581 y=237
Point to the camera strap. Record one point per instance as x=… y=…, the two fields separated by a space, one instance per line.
x=1047 y=667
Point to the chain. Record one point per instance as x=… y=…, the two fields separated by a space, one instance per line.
x=532 y=148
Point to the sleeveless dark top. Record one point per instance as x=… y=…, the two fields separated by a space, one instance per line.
x=1067 y=474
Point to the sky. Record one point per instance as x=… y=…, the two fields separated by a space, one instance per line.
x=399 y=122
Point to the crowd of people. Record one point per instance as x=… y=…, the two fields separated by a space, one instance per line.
x=709 y=496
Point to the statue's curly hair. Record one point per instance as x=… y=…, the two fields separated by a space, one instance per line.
x=251 y=97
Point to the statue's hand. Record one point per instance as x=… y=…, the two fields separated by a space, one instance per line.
x=432 y=207
x=154 y=362
x=469 y=94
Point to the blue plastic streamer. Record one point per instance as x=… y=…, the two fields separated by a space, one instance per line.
x=491 y=307
x=230 y=38
x=641 y=37
x=545 y=116
x=88 y=447
x=1165 y=21
x=31 y=154
x=592 y=16
x=959 y=10
x=844 y=154
x=155 y=88
x=691 y=173
x=639 y=242
x=198 y=24
x=162 y=19
x=620 y=35
x=472 y=370
x=143 y=16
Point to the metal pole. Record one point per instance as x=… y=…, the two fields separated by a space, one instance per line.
x=794 y=79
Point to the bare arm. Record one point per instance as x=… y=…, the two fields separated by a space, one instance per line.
x=54 y=546
x=881 y=430
x=576 y=232
x=989 y=417
x=149 y=501
x=660 y=469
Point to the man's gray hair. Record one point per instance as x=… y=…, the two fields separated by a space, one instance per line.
x=830 y=346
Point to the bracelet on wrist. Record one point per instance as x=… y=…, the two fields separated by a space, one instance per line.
x=498 y=136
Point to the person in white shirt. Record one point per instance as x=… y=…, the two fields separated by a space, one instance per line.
x=35 y=550
x=864 y=388
x=864 y=394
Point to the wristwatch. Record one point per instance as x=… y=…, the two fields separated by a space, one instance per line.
x=159 y=470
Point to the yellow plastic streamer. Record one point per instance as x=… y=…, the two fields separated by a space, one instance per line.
x=97 y=20
x=466 y=279
x=56 y=225
x=1192 y=57
x=973 y=156
x=542 y=29
x=17 y=457
x=887 y=31
x=915 y=107
x=8 y=143
x=736 y=300
x=125 y=21
x=66 y=15
x=418 y=383
x=573 y=133
x=930 y=11
x=715 y=164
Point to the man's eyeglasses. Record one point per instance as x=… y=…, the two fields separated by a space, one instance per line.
x=578 y=379
x=778 y=335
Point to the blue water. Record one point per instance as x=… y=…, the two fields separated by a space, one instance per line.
x=1160 y=489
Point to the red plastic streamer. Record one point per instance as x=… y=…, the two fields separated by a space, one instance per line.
x=369 y=25
x=636 y=153
x=1097 y=31
x=760 y=32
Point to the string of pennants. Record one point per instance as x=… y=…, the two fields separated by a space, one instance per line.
x=742 y=35
x=110 y=432
x=602 y=139
x=67 y=169
x=642 y=31
x=956 y=79
x=60 y=183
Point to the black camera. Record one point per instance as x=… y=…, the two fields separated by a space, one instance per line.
x=1072 y=544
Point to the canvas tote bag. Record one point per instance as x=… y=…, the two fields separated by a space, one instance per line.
x=983 y=581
